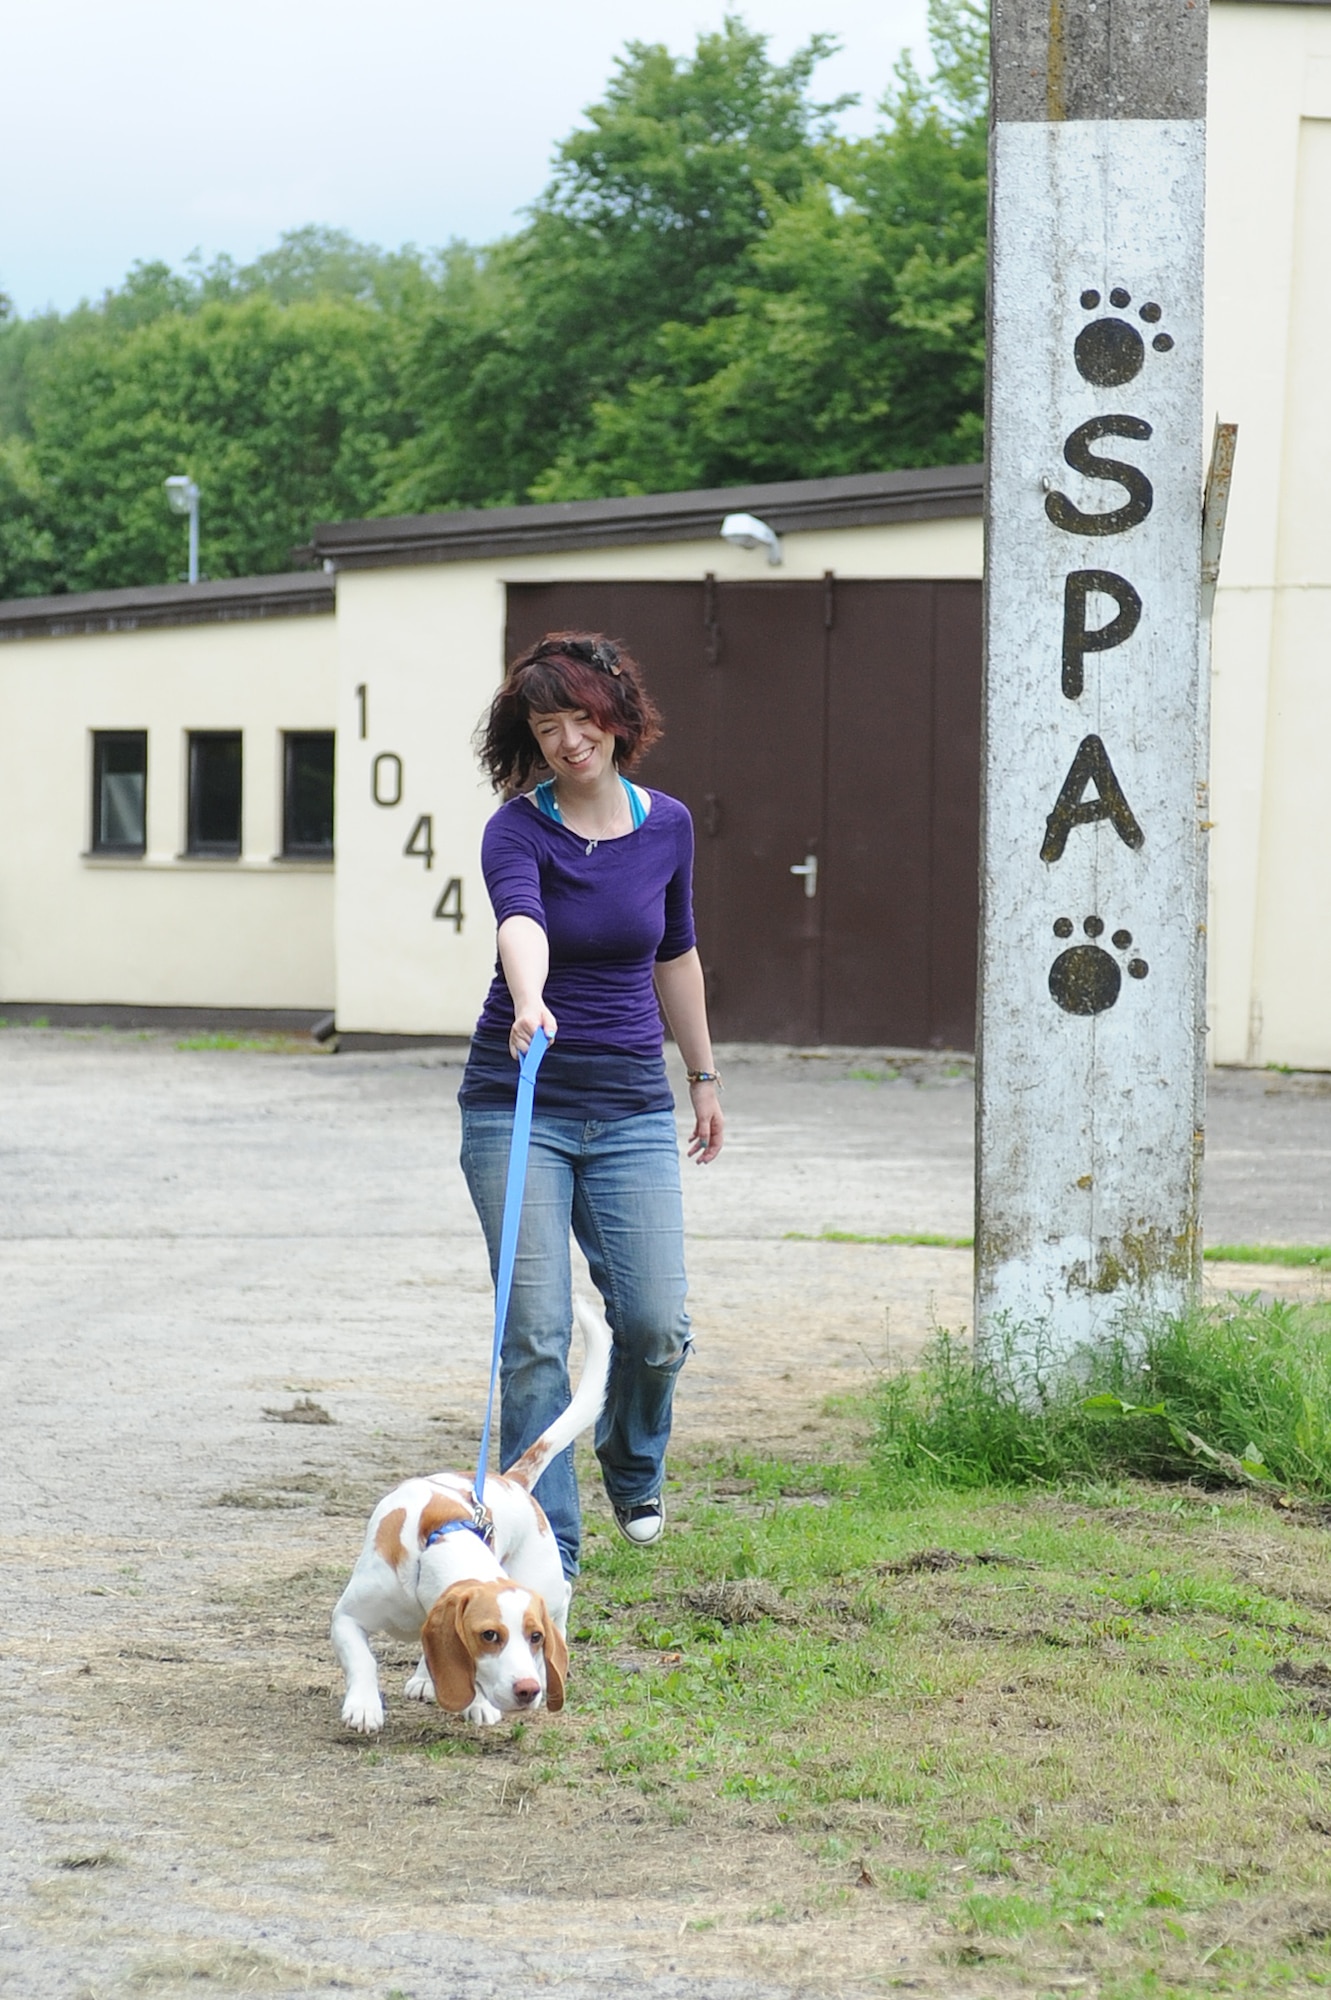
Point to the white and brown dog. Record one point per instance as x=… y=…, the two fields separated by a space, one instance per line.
x=492 y=1621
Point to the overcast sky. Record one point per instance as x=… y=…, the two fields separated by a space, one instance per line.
x=149 y=128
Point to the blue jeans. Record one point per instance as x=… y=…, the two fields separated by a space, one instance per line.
x=616 y=1183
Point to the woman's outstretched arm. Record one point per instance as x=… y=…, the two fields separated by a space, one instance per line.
x=524 y=953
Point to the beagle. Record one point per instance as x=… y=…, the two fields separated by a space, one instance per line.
x=491 y=1620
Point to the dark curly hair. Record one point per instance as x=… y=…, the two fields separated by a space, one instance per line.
x=582 y=670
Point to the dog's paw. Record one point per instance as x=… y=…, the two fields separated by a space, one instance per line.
x=482 y=1714
x=363 y=1711
x=420 y=1687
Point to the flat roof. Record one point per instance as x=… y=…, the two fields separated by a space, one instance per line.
x=859 y=500
x=298 y=594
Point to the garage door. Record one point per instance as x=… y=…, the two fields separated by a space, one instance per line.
x=826 y=738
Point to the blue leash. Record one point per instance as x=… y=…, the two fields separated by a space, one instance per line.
x=514 y=1189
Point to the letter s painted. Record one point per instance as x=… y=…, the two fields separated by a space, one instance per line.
x=1078 y=454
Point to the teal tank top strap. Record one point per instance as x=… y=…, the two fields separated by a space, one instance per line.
x=543 y=798
x=637 y=810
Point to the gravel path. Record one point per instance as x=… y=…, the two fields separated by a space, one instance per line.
x=190 y=1242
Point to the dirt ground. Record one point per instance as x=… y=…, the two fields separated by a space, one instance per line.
x=191 y=1242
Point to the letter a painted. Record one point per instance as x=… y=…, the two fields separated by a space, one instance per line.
x=1091 y=765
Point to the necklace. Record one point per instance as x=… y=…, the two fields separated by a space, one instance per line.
x=594 y=839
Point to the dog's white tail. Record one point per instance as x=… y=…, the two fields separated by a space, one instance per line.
x=585 y=1407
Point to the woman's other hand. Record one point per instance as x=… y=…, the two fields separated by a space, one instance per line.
x=681 y=990
x=708 y=1123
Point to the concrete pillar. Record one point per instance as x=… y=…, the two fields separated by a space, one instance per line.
x=1092 y=959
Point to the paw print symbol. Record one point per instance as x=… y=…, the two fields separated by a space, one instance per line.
x=1110 y=351
x=1085 y=979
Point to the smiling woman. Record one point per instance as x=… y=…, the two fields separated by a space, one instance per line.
x=591 y=881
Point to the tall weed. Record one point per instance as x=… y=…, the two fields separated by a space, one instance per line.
x=1249 y=1383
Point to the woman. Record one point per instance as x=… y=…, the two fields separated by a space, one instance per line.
x=591 y=881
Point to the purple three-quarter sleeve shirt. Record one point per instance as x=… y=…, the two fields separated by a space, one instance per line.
x=610 y=916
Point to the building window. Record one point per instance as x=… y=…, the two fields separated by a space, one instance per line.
x=307 y=807
x=119 y=791
x=214 y=793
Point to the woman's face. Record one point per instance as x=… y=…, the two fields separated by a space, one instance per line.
x=572 y=745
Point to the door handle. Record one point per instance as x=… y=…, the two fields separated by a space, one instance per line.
x=808 y=868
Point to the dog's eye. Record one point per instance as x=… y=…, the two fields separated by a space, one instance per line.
x=491 y=1638
x=536 y=1638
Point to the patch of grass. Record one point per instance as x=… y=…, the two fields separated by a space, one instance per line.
x=1244 y=1391
x=1298 y=1255
x=919 y=1239
x=1084 y=1718
x=1086 y=1726
x=239 y=1967
x=262 y=1045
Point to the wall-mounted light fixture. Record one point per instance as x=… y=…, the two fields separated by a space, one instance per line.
x=746 y=531
x=183 y=496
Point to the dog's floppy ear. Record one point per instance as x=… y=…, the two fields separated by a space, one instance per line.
x=556 y=1661
x=447 y=1654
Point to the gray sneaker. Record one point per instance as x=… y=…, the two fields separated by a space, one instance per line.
x=642 y=1523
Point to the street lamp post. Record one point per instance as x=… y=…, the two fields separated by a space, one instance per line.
x=183 y=496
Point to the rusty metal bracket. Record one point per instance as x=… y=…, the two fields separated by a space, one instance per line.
x=711 y=625
x=1215 y=506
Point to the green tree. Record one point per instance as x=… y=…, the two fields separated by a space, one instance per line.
x=854 y=337
x=649 y=218
x=283 y=414
x=29 y=551
x=714 y=287
x=276 y=385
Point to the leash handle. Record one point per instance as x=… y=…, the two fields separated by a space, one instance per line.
x=514 y=1189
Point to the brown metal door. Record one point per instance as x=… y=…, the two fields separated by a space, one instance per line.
x=901 y=915
x=954 y=846
x=765 y=817
x=737 y=670
x=876 y=915
x=835 y=723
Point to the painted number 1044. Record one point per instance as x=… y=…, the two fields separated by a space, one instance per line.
x=386 y=790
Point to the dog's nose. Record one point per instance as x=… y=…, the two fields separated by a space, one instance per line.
x=525 y=1693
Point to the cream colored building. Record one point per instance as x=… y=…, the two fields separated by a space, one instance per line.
x=1268 y=336
x=89 y=923
x=422 y=611
x=398 y=939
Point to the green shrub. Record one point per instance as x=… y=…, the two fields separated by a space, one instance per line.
x=1242 y=1392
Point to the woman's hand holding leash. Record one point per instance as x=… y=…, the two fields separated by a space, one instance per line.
x=529 y=1019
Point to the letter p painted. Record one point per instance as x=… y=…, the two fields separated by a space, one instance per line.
x=1078 y=640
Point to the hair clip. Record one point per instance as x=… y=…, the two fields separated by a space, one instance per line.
x=587 y=652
